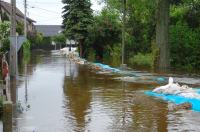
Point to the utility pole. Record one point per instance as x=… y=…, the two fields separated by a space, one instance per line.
x=0 y=13
x=123 y=66
x=25 y=13
x=13 y=45
x=25 y=35
x=1 y=21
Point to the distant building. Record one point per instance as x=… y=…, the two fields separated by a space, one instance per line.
x=49 y=30
x=5 y=12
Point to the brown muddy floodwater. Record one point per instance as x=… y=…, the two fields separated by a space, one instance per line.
x=61 y=96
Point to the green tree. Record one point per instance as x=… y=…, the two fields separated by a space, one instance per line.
x=20 y=28
x=162 y=33
x=177 y=23
x=4 y=30
x=77 y=16
x=140 y=24
x=60 y=38
x=4 y=34
x=36 y=39
x=185 y=35
x=143 y=17
x=105 y=32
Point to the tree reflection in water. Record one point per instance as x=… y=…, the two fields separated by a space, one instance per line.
x=78 y=95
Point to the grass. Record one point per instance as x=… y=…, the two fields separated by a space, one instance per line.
x=142 y=60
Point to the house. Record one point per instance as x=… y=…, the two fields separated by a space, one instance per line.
x=49 y=30
x=5 y=12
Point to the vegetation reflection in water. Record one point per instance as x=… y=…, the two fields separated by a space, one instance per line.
x=111 y=104
x=66 y=97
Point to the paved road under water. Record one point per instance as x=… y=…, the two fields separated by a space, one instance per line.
x=61 y=96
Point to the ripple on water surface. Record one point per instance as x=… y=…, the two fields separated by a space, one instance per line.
x=65 y=97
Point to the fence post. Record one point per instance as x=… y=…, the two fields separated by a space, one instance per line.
x=7 y=116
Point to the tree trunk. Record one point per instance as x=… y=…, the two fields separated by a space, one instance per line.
x=81 y=48
x=162 y=33
x=1 y=45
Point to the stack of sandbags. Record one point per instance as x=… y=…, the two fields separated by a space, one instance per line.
x=175 y=89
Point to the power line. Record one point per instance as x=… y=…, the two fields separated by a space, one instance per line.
x=44 y=9
x=36 y=7
x=42 y=14
x=49 y=19
x=46 y=3
x=36 y=2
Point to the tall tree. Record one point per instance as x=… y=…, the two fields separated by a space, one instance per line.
x=162 y=33
x=77 y=16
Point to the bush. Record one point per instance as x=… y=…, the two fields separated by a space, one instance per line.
x=59 y=39
x=26 y=51
x=115 y=55
x=142 y=59
x=35 y=39
x=5 y=45
x=185 y=47
x=20 y=28
x=4 y=34
x=91 y=55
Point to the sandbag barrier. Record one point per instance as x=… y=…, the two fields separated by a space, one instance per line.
x=124 y=75
x=177 y=99
x=140 y=77
x=183 y=96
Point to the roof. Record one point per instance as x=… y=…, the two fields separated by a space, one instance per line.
x=49 y=30
x=19 y=14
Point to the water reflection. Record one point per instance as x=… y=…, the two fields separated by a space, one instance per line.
x=13 y=89
x=183 y=120
x=77 y=96
x=98 y=103
x=65 y=97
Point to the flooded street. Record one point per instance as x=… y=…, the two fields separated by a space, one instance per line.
x=61 y=96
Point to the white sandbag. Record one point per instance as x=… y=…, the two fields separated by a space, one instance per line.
x=175 y=89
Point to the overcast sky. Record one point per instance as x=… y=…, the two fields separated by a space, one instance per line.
x=47 y=12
